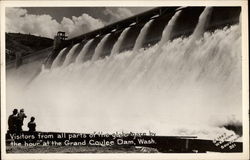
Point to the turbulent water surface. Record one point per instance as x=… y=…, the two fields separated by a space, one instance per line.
x=190 y=86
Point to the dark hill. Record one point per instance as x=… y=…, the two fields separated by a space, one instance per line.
x=18 y=44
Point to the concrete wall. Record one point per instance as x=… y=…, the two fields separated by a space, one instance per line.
x=185 y=25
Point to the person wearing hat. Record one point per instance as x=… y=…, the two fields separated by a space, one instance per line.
x=21 y=115
x=12 y=121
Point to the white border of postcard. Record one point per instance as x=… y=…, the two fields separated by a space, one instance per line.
x=245 y=78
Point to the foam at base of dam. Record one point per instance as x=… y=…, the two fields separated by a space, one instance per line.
x=190 y=86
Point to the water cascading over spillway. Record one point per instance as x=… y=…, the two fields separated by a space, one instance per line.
x=85 y=49
x=166 y=34
x=178 y=96
x=118 y=44
x=69 y=55
x=99 y=48
x=138 y=44
x=115 y=50
x=200 y=28
x=57 y=61
x=139 y=41
x=168 y=29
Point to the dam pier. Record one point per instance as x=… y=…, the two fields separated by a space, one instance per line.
x=184 y=26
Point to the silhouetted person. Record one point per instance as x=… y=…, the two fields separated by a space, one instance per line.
x=12 y=121
x=21 y=115
x=32 y=125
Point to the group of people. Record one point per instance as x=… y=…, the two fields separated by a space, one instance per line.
x=15 y=122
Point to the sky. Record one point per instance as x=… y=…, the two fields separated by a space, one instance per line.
x=47 y=21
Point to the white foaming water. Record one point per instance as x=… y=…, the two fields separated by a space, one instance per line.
x=118 y=43
x=85 y=49
x=69 y=55
x=200 y=28
x=99 y=48
x=58 y=59
x=179 y=96
x=140 y=39
x=168 y=29
x=138 y=43
x=166 y=35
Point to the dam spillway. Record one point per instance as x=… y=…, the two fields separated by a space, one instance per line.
x=197 y=68
x=185 y=25
x=221 y=17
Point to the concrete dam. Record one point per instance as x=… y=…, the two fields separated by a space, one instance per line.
x=184 y=26
x=175 y=71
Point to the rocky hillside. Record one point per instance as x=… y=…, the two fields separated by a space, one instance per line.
x=18 y=44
